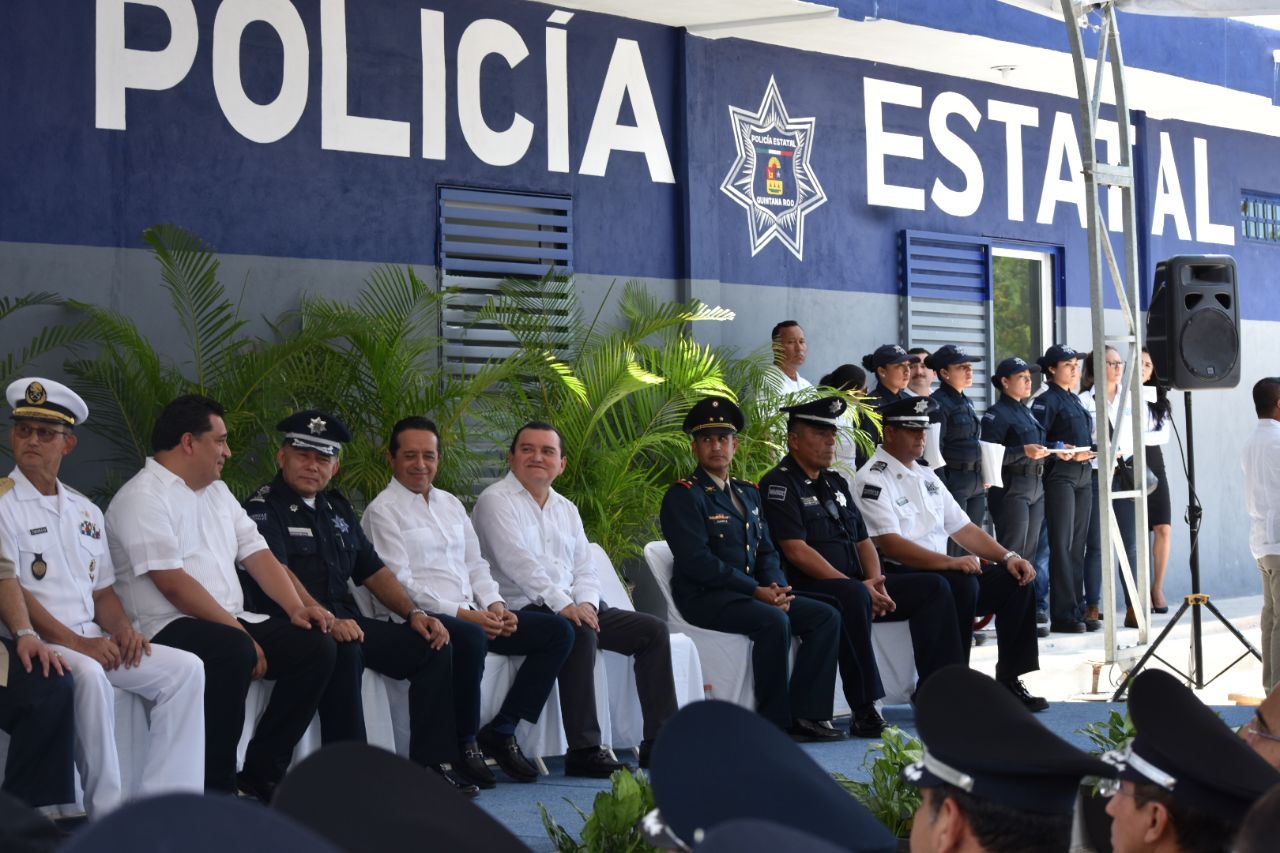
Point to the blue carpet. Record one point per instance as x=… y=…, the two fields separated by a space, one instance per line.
x=516 y=806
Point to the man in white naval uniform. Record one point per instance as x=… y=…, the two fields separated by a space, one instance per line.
x=65 y=570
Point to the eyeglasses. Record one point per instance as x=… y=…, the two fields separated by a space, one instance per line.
x=1115 y=364
x=43 y=434
x=1259 y=727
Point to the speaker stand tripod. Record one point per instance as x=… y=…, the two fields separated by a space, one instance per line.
x=1194 y=602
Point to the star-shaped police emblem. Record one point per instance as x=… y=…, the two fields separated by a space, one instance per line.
x=841 y=499
x=771 y=176
x=835 y=406
x=317 y=426
x=922 y=406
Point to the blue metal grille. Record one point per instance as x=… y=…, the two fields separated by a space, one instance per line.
x=1260 y=217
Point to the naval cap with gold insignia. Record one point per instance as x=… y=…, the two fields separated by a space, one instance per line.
x=909 y=413
x=824 y=410
x=713 y=413
x=313 y=429
x=980 y=738
x=45 y=400
x=1183 y=747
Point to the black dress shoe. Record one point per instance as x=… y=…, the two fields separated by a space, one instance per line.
x=1042 y=617
x=646 y=753
x=1092 y=625
x=594 y=762
x=470 y=765
x=1042 y=630
x=1066 y=626
x=814 y=731
x=462 y=786
x=1019 y=690
x=255 y=787
x=1155 y=609
x=867 y=722
x=504 y=750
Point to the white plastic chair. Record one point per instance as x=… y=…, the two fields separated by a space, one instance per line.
x=625 y=721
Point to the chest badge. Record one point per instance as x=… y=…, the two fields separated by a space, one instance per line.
x=841 y=499
x=88 y=528
x=93 y=570
x=719 y=518
x=39 y=567
x=340 y=524
x=932 y=488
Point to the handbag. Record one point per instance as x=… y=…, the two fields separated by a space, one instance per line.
x=1123 y=478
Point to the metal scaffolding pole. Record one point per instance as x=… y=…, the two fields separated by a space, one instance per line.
x=1103 y=265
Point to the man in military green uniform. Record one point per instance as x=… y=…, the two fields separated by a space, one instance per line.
x=314 y=531
x=727 y=578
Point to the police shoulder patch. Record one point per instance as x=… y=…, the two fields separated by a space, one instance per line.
x=989 y=416
x=871 y=493
x=777 y=493
x=879 y=465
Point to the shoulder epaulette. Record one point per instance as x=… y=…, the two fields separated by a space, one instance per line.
x=688 y=484
x=879 y=465
x=260 y=496
x=755 y=486
x=6 y=485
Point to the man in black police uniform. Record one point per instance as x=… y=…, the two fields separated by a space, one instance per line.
x=827 y=554
x=993 y=778
x=1186 y=780
x=314 y=531
x=912 y=517
x=727 y=578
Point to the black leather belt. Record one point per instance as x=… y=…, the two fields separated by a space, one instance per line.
x=964 y=466
x=1033 y=470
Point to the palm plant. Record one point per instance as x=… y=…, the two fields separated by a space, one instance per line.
x=129 y=381
x=618 y=393
x=381 y=362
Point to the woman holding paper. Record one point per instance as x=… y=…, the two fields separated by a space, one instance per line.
x=958 y=436
x=1017 y=506
x=1068 y=435
x=1159 y=514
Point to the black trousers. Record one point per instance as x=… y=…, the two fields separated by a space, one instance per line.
x=966 y=487
x=809 y=691
x=638 y=635
x=545 y=640
x=1018 y=511
x=397 y=651
x=38 y=714
x=299 y=661
x=994 y=592
x=1067 y=494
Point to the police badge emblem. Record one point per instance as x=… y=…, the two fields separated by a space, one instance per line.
x=38 y=566
x=36 y=394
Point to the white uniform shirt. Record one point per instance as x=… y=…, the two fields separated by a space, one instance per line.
x=1261 y=461
x=65 y=534
x=539 y=555
x=1122 y=438
x=908 y=500
x=780 y=383
x=431 y=546
x=157 y=522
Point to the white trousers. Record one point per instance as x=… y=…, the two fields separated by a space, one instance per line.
x=173 y=681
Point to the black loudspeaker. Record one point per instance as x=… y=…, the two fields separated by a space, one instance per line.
x=1193 y=324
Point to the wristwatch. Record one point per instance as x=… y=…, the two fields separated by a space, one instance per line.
x=409 y=617
x=25 y=632
x=1010 y=555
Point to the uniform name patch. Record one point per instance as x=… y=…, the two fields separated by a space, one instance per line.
x=809 y=500
x=871 y=493
x=719 y=518
x=777 y=493
x=300 y=531
x=37 y=531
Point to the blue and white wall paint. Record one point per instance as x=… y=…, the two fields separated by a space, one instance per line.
x=306 y=141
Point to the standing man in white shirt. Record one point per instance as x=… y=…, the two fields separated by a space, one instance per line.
x=65 y=569
x=1261 y=461
x=534 y=539
x=176 y=534
x=789 y=352
x=423 y=534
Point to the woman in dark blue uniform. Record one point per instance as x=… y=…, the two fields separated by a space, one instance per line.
x=958 y=438
x=1067 y=489
x=891 y=365
x=1017 y=507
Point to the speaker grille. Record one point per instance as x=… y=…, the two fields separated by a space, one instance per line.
x=1209 y=344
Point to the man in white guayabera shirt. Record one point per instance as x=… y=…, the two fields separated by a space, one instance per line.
x=533 y=538
x=65 y=569
x=176 y=533
x=423 y=534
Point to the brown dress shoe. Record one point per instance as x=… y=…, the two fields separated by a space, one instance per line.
x=1091 y=614
x=1130 y=620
